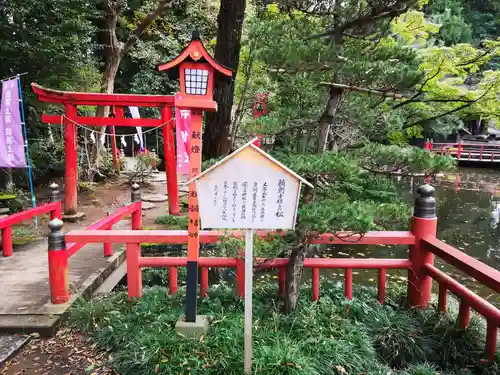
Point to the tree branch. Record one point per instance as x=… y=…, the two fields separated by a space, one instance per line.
x=136 y=34
x=370 y=18
x=450 y=111
x=477 y=58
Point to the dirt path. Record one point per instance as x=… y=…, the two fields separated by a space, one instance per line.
x=67 y=353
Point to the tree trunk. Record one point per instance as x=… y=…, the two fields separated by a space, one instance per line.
x=295 y=264
x=326 y=119
x=332 y=104
x=294 y=271
x=217 y=137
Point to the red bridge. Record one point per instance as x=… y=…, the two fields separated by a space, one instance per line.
x=481 y=152
x=422 y=272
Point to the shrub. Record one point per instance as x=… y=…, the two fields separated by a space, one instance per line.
x=322 y=337
x=173 y=222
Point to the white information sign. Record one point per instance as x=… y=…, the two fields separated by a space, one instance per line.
x=248 y=190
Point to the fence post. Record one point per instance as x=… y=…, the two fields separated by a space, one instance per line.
x=136 y=215
x=108 y=247
x=134 y=272
x=7 y=241
x=58 y=263
x=282 y=281
x=424 y=223
x=55 y=196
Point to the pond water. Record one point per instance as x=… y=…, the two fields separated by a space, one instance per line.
x=468 y=219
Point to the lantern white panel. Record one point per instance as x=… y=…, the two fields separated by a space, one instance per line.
x=248 y=191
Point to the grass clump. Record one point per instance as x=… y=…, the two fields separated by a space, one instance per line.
x=173 y=222
x=331 y=337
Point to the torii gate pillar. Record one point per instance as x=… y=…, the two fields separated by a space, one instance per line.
x=71 y=166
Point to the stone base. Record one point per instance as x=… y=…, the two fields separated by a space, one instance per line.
x=73 y=218
x=61 y=308
x=154 y=198
x=193 y=330
x=148 y=205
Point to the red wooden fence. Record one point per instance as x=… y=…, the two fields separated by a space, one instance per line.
x=479 y=152
x=60 y=252
x=54 y=209
x=423 y=246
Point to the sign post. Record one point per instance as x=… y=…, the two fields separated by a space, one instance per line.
x=248 y=299
x=265 y=196
x=196 y=70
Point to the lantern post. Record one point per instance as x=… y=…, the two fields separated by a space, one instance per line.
x=196 y=70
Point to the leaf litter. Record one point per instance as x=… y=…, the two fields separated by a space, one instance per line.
x=68 y=353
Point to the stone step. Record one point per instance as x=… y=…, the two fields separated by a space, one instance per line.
x=112 y=280
x=10 y=345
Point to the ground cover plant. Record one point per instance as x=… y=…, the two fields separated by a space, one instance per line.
x=333 y=336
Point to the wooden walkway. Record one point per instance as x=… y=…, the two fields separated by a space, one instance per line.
x=25 y=283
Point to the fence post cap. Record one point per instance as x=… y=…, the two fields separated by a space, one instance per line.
x=425 y=203
x=136 y=193
x=54 y=192
x=55 y=225
x=426 y=190
x=56 y=235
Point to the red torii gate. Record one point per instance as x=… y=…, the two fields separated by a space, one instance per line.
x=196 y=70
x=71 y=100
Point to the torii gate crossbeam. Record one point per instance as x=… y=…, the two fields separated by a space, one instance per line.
x=71 y=100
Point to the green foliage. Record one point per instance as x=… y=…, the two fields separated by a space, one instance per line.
x=296 y=69
x=449 y=14
x=86 y=187
x=25 y=234
x=52 y=40
x=14 y=198
x=159 y=276
x=47 y=162
x=404 y=160
x=146 y=164
x=318 y=338
x=161 y=42
x=173 y=222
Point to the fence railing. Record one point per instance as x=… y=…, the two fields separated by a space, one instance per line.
x=421 y=239
x=135 y=262
x=481 y=272
x=466 y=151
x=60 y=251
x=54 y=208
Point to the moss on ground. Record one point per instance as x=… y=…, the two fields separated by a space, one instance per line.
x=333 y=336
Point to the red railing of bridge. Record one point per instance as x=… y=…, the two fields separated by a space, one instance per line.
x=134 y=210
x=135 y=262
x=53 y=208
x=483 y=152
x=423 y=246
x=60 y=250
x=481 y=272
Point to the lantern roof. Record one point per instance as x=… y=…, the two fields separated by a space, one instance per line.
x=196 y=52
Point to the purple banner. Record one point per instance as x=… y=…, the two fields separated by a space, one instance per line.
x=11 y=136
